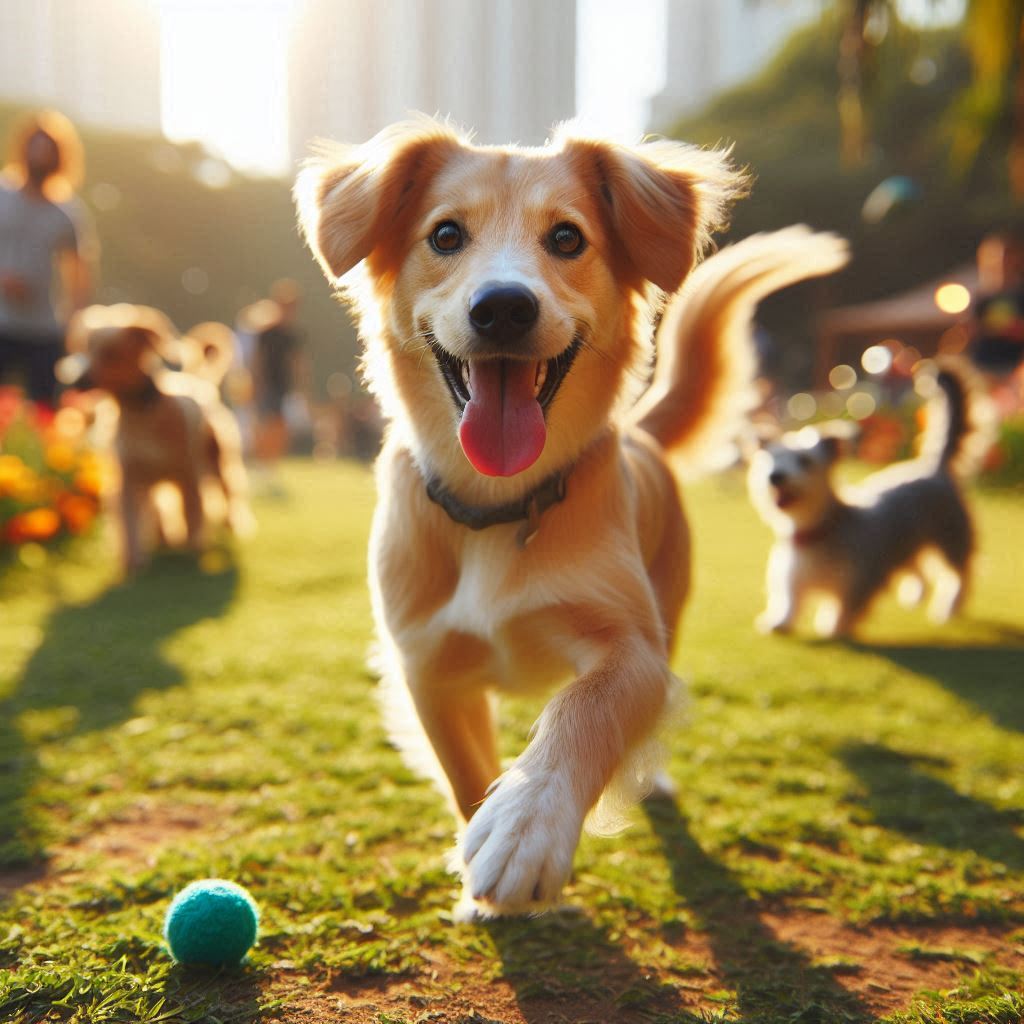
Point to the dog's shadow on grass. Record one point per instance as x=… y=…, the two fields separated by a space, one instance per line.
x=563 y=962
x=94 y=661
x=987 y=674
x=903 y=797
x=771 y=978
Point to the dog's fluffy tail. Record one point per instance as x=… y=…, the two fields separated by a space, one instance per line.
x=959 y=418
x=702 y=388
x=208 y=350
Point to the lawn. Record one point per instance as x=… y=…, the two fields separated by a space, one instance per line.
x=847 y=844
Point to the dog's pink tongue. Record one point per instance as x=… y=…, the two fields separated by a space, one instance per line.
x=502 y=430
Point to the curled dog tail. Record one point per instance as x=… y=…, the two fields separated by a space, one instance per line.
x=702 y=386
x=959 y=421
x=208 y=350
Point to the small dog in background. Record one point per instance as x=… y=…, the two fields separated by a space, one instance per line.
x=177 y=444
x=910 y=519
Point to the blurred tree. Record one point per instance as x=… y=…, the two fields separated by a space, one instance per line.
x=856 y=47
x=784 y=127
x=993 y=37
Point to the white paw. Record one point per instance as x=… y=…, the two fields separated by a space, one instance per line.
x=766 y=623
x=910 y=590
x=518 y=849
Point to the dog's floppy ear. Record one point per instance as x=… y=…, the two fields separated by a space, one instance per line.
x=352 y=198
x=663 y=199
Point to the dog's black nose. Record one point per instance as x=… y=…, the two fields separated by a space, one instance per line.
x=776 y=477
x=503 y=312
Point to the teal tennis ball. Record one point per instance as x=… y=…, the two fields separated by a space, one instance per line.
x=212 y=921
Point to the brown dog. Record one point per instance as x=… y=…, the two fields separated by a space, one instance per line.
x=529 y=530
x=172 y=431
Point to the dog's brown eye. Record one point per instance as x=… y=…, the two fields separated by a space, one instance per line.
x=805 y=461
x=566 y=240
x=446 y=237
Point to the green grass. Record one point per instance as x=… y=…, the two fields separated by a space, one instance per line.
x=848 y=842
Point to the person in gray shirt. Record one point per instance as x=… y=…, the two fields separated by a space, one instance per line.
x=44 y=250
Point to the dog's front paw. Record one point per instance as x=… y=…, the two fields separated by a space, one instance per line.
x=772 y=623
x=518 y=849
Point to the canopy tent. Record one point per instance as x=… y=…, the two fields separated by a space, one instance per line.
x=913 y=318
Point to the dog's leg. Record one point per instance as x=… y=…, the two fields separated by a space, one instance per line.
x=518 y=849
x=783 y=593
x=839 y=614
x=948 y=591
x=438 y=713
x=950 y=571
x=461 y=732
x=133 y=503
x=192 y=506
x=910 y=589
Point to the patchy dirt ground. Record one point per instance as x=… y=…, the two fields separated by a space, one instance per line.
x=883 y=967
x=132 y=840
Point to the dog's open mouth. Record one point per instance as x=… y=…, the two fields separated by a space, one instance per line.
x=783 y=498
x=503 y=403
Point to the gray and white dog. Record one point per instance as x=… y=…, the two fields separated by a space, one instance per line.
x=908 y=520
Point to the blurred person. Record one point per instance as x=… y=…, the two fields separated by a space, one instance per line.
x=278 y=367
x=997 y=345
x=47 y=249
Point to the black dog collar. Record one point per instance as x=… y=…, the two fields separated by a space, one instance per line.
x=530 y=508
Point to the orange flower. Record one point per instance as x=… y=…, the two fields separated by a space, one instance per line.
x=60 y=456
x=19 y=481
x=11 y=469
x=89 y=480
x=77 y=511
x=36 y=524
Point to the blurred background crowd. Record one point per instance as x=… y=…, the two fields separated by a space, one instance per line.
x=152 y=144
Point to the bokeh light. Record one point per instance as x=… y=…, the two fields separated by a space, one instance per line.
x=952 y=298
x=195 y=280
x=860 y=405
x=831 y=405
x=877 y=359
x=924 y=379
x=802 y=406
x=955 y=340
x=842 y=377
x=105 y=196
x=906 y=360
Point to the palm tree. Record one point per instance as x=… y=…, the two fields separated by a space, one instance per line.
x=994 y=38
x=993 y=34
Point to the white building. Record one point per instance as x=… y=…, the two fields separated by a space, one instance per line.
x=505 y=68
x=714 y=44
x=97 y=62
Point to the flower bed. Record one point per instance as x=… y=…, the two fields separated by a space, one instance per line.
x=51 y=480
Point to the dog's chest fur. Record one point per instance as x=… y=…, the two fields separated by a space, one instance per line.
x=477 y=605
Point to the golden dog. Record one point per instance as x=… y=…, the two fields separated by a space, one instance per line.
x=529 y=529
x=172 y=431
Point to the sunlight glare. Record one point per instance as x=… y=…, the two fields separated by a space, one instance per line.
x=224 y=78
